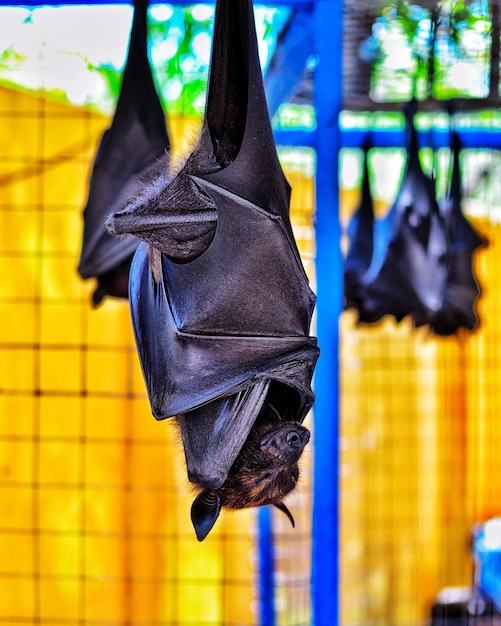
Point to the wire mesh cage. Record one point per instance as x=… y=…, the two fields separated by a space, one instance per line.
x=94 y=497
x=95 y=505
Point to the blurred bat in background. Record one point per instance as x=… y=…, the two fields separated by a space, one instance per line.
x=408 y=268
x=417 y=260
x=131 y=150
x=461 y=288
x=220 y=301
x=360 y=232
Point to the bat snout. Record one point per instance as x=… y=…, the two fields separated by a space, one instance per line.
x=286 y=441
x=298 y=437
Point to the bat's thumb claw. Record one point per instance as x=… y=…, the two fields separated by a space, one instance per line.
x=204 y=512
x=281 y=506
x=116 y=224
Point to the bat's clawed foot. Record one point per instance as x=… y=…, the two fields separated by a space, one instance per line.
x=204 y=512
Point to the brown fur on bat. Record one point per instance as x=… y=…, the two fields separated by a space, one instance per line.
x=264 y=472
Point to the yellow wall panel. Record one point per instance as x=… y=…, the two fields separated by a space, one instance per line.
x=105 y=601
x=106 y=371
x=59 y=600
x=104 y=555
x=94 y=489
x=16 y=369
x=109 y=325
x=19 y=231
x=19 y=277
x=104 y=464
x=58 y=278
x=58 y=509
x=106 y=417
x=20 y=604
x=59 y=417
x=17 y=323
x=58 y=461
x=60 y=556
x=58 y=232
x=54 y=326
x=60 y=369
x=17 y=506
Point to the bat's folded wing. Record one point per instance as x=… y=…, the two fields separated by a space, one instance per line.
x=115 y=179
x=184 y=371
x=131 y=151
x=215 y=383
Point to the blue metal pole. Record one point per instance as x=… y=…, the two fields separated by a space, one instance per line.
x=266 y=569
x=328 y=29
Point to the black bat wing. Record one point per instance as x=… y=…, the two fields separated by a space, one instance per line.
x=130 y=152
x=408 y=269
x=220 y=302
x=462 y=289
x=360 y=233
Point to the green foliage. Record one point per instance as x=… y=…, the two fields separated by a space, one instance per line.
x=444 y=53
x=181 y=65
x=179 y=49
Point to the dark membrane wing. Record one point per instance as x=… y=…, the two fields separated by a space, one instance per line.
x=409 y=265
x=184 y=370
x=205 y=379
x=462 y=289
x=131 y=151
x=220 y=302
x=236 y=149
x=229 y=421
x=237 y=123
x=360 y=232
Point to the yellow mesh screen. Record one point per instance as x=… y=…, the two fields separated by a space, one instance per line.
x=95 y=505
x=420 y=441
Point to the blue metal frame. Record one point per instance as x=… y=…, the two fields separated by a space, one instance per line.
x=328 y=25
x=471 y=136
x=266 y=568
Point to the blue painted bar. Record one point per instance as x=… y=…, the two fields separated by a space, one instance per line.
x=328 y=25
x=266 y=568
x=36 y=3
x=472 y=137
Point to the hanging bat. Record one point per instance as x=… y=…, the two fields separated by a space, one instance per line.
x=360 y=233
x=220 y=301
x=408 y=268
x=130 y=151
x=461 y=288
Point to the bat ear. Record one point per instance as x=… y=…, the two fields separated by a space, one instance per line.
x=281 y=506
x=204 y=512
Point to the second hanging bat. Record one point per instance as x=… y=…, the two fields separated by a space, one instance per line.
x=131 y=150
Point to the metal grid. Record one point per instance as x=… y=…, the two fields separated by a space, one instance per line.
x=419 y=444
x=95 y=524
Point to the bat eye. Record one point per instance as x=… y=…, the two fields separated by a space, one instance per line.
x=293 y=439
x=264 y=478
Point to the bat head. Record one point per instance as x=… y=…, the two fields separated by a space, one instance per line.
x=264 y=472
